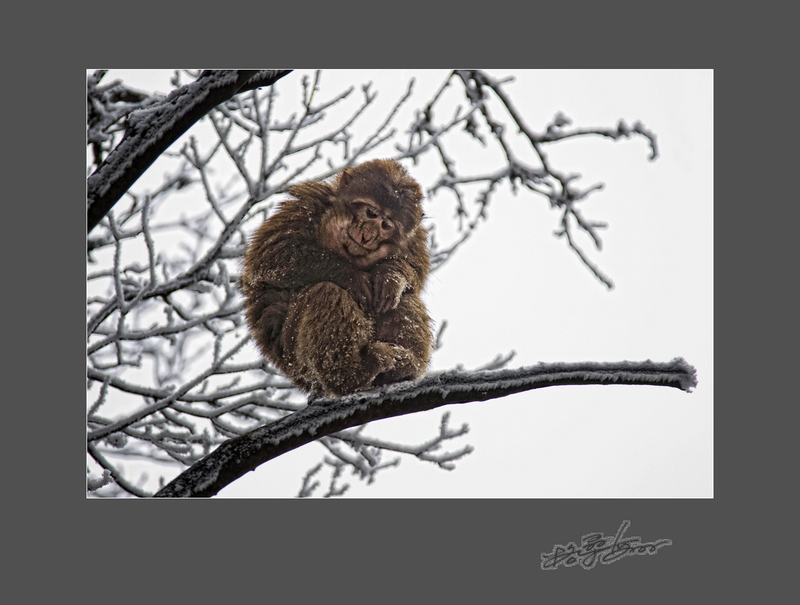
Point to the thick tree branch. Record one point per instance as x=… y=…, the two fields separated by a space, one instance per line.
x=323 y=417
x=151 y=131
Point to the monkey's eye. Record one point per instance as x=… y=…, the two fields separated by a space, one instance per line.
x=371 y=213
x=386 y=225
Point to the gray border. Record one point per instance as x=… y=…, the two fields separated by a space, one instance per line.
x=479 y=549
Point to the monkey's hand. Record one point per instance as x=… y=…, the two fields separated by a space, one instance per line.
x=359 y=286
x=387 y=288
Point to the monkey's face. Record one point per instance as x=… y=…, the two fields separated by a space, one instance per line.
x=361 y=231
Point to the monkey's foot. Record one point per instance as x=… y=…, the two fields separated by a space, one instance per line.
x=406 y=367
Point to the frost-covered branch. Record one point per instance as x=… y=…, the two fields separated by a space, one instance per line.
x=558 y=187
x=326 y=416
x=368 y=458
x=150 y=131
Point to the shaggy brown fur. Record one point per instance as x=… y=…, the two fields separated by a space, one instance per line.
x=332 y=282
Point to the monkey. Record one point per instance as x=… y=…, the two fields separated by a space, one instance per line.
x=332 y=282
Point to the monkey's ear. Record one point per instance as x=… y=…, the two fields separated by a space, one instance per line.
x=345 y=177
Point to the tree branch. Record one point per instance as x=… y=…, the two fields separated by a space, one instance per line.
x=323 y=417
x=152 y=130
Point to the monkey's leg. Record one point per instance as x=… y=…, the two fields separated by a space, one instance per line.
x=331 y=343
x=409 y=327
x=266 y=314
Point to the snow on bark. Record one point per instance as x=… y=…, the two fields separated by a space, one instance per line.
x=152 y=130
x=325 y=416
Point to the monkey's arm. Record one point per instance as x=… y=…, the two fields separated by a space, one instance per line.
x=286 y=256
x=406 y=271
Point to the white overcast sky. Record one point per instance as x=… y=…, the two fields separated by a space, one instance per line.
x=514 y=286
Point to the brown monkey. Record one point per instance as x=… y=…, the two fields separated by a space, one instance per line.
x=332 y=281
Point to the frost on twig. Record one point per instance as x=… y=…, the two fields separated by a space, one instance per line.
x=326 y=416
x=486 y=96
x=367 y=455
